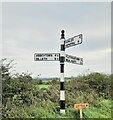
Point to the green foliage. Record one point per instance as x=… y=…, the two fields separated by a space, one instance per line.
x=102 y=109
x=25 y=98
x=39 y=82
x=43 y=86
x=5 y=72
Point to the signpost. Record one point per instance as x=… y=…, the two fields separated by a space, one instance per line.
x=80 y=106
x=62 y=57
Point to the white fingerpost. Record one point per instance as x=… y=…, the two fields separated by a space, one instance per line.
x=62 y=57
x=62 y=60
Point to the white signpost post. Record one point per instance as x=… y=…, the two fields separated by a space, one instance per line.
x=62 y=57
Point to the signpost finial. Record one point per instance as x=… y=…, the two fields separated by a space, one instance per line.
x=62 y=34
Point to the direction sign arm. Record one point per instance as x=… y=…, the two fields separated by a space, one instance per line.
x=76 y=40
x=73 y=59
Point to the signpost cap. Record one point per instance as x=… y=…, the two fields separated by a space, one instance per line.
x=62 y=34
x=62 y=31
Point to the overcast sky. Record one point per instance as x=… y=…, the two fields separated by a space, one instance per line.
x=29 y=28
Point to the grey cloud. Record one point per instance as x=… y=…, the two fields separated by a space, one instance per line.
x=35 y=27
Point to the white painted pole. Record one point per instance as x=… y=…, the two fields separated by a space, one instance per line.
x=62 y=60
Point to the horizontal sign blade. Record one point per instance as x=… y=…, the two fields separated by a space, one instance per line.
x=85 y=105
x=73 y=59
x=46 y=56
x=73 y=41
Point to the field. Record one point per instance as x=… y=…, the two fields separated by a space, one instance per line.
x=24 y=97
x=42 y=86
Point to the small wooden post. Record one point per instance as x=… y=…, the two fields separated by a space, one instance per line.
x=80 y=113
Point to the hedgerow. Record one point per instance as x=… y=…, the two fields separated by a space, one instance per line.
x=22 y=98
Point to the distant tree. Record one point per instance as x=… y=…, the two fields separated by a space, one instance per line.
x=54 y=81
x=40 y=82
x=5 y=70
